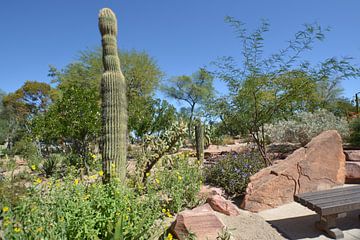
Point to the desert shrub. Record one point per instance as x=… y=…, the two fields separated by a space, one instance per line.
x=177 y=182
x=232 y=172
x=354 y=138
x=304 y=126
x=73 y=209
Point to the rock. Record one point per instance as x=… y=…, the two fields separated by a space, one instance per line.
x=317 y=166
x=207 y=191
x=200 y=221
x=352 y=155
x=220 y=204
x=352 y=172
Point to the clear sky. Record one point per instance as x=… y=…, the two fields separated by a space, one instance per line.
x=181 y=35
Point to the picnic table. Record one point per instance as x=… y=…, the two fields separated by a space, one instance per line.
x=329 y=204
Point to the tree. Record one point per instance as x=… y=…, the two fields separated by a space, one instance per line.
x=4 y=120
x=140 y=70
x=194 y=90
x=72 y=122
x=22 y=106
x=152 y=117
x=263 y=89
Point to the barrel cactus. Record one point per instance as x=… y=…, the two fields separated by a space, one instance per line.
x=114 y=102
x=199 y=140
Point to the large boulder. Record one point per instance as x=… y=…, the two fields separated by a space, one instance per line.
x=317 y=166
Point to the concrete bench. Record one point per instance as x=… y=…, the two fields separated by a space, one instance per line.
x=329 y=204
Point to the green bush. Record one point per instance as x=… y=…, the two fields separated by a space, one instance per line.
x=73 y=208
x=78 y=210
x=304 y=126
x=177 y=183
x=354 y=138
x=232 y=172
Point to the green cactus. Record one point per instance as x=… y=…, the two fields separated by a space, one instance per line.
x=199 y=140
x=114 y=102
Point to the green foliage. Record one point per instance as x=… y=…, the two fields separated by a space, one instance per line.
x=232 y=172
x=73 y=208
x=141 y=71
x=152 y=117
x=354 y=138
x=195 y=89
x=177 y=182
x=302 y=127
x=155 y=147
x=4 y=120
x=71 y=127
x=263 y=89
x=78 y=210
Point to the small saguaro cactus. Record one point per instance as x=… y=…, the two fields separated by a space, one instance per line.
x=114 y=102
x=199 y=140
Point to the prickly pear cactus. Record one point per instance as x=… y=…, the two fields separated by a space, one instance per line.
x=114 y=102
x=199 y=139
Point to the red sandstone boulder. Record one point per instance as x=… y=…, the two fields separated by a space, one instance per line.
x=200 y=221
x=317 y=166
x=220 y=204
x=352 y=155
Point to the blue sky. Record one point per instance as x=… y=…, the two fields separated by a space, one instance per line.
x=181 y=35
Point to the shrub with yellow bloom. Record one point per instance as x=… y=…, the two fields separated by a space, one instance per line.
x=5 y=209
x=38 y=181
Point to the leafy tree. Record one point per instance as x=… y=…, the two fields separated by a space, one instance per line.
x=152 y=117
x=140 y=70
x=4 y=119
x=265 y=89
x=194 y=90
x=22 y=106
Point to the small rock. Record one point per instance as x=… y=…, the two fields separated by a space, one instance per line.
x=200 y=221
x=207 y=191
x=220 y=204
x=352 y=155
x=352 y=172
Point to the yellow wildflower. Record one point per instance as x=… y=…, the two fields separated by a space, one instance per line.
x=38 y=181
x=17 y=229
x=5 y=209
x=157 y=180
x=93 y=156
x=33 y=167
x=147 y=174
x=76 y=181
x=180 y=178
x=6 y=222
x=93 y=177
x=39 y=229
x=169 y=237
x=163 y=210
x=101 y=173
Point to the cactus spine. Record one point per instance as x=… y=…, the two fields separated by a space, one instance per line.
x=199 y=140
x=114 y=102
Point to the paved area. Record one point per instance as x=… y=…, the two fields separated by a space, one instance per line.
x=294 y=221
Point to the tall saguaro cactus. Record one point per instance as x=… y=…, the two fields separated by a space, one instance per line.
x=114 y=102
x=199 y=141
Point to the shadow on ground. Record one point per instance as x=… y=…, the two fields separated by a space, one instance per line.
x=303 y=227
